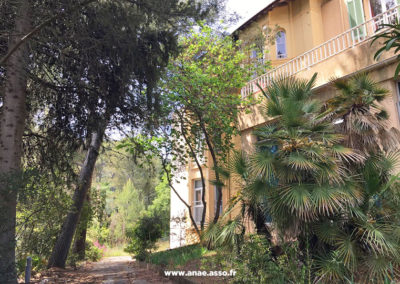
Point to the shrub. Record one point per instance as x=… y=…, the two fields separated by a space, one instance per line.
x=260 y=262
x=95 y=251
x=38 y=264
x=144 y=236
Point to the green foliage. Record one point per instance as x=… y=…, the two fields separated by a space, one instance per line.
x=131 y=186
x=201 y=85
x=161 y=205
x=144 y=236
x=178 y=257
x=201 y=90
x=38 y=264
x=36 y=231
x=390 y=34
x=256 y=264
x=93 y=252
x=258 y=261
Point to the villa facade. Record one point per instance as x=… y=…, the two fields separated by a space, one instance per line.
x=329 y=37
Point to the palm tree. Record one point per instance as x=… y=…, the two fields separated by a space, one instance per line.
x=297 y=173
x=364 y=240
x=357 y=114
x=306 y=176
x=340 y=203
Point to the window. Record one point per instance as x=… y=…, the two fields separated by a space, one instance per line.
x=281 y=45
x=380 y=6
x=198 y=205
x=216 y=195
x=199 y=149
x=356 y=18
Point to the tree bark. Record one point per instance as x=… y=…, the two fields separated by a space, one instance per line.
x=80 y=236
x=215 y=161
x=12 y=124
x=61 y=248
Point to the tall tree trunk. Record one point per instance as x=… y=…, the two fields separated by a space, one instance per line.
x=12 y=124
x=80 y=236
x=216 y=169
x=61 y=248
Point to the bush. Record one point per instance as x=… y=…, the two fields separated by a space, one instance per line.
x=38 y=264
x=144 y=236
x=94 y=252
x=260 y=262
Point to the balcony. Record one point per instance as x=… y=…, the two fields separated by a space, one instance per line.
x=342 y=43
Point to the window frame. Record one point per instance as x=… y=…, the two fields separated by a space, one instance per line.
x=361 y=31
x=197 y=203
x=285 y=55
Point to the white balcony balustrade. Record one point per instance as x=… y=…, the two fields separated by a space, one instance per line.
x=330 y=48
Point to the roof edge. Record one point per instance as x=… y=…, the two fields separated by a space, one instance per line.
x=265 y=10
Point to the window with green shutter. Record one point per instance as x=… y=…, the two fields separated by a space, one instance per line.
x=356 y=18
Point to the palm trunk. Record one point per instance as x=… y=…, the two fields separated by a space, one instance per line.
x=12 y=124
x=61 y=248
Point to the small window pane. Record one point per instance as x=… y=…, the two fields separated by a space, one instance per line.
x=197 y=195
x=281 y=45
x=198 y=211
x=197 y=184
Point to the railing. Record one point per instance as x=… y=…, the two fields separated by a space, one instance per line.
x=332 y=47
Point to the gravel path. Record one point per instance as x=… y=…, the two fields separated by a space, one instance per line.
x=110 y=270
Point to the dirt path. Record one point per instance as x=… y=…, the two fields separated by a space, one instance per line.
x=110 y=270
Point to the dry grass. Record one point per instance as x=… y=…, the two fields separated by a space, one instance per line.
x=115 y=251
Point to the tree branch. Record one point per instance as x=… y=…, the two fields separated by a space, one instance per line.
x=39 y=27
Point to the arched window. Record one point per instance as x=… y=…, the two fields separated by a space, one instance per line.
x=281 y=45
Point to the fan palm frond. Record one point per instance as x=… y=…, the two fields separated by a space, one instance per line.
x=347 y=251
x=327 y=231
x=363 y=119
x=380 y=269
x=331 y=269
